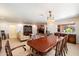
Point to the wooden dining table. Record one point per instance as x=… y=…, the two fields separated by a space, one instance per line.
x=44 y=44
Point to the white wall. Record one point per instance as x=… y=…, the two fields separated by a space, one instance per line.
x=34 y=29
x=14 y=28
x=51 y=28
x=10 y=28
x=3 y=26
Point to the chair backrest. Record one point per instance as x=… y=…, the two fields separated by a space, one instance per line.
x=8 y=49
x=64 y=41
x=58 y=48
x=66 y=38
x=64 y=44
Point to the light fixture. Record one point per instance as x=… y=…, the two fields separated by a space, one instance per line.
x=50 y=19
x=34 y=25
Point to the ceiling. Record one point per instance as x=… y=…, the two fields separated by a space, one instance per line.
x=36 y=12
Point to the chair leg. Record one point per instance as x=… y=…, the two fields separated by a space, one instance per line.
x=66 y=49
x=24 y=48
x=64 y=53
x=57 y=53
x=0 y=48
x=61 y=53
x=31 y=49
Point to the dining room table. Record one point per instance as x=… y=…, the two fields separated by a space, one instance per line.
x=44 y=44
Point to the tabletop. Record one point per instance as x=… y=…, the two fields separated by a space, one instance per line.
x=43 y=44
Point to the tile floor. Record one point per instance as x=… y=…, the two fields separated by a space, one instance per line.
x=73 y=49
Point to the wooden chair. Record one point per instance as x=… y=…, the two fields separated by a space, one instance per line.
x=0 y=44
x=64 y=43
x=8 y=50
x=58 y=48
x=61 y=47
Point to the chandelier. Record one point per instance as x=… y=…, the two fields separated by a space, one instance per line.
x=50 y=19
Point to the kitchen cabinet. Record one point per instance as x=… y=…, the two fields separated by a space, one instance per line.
x=71 y=37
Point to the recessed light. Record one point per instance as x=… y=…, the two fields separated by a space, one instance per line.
x=41 y=15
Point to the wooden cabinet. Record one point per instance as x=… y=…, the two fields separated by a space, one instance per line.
x=40 y=28
x=27 y=30
x=71 y=37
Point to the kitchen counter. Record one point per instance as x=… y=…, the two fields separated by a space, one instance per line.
x=71 y=36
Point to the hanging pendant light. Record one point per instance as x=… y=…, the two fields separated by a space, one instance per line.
x=50 y=19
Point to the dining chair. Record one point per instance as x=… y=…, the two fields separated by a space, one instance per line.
x=3 y=35
x=64 y=43
x=0 y=44
x=8 y=49
x=58 y=48
x=61 y=47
